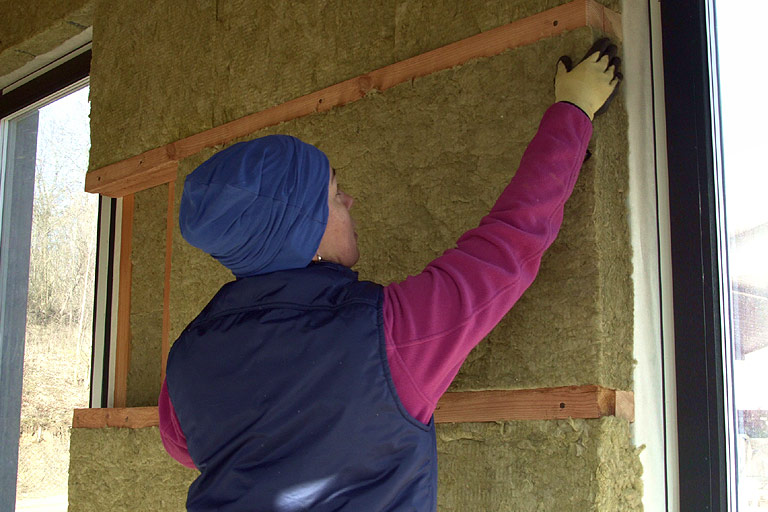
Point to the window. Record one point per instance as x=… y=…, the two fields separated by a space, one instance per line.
x=44 y=140
x=719 y=234
x=58 y=334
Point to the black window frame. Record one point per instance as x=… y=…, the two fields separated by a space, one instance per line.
x=691 y=147
x=58 y=78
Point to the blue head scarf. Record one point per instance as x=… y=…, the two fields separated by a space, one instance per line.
x=258 y=206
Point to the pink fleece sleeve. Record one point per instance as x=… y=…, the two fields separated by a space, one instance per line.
x=433 y=320
x=170 y=431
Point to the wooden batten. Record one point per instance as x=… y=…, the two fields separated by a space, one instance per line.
x=587 y=402
x=135 y=174
x=625 y=405
x=600 y=17
x=120 y=417
x=158 y=165
x=530 y=404
x=123 y=342
x=165 y=343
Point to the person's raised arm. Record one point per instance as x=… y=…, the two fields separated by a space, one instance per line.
x=433 y=320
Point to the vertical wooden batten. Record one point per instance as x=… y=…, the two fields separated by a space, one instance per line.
x=123 y=344
x=169 y=225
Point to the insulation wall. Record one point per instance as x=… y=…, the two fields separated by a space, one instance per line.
x=425 y=161
x=187 y=66
x=121 y=469
x=533 y=466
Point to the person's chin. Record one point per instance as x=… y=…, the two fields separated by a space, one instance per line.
x=354 y=260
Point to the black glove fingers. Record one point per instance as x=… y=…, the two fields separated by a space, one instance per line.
x=611 y=51
x=616 y=63
x=566 y=60
x=598 y=46
x=617 y=77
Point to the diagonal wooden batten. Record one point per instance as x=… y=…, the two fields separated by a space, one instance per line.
x=585 y=402
x=157 y=166
x=134 y=174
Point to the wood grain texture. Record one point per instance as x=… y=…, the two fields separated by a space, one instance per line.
x=123 y=342
x=165 y=347
x=528 y=404
x=120 y=417
x=602 y=18
x=585 y=402
x=134 y=174
x=625 y=405
x=158 y=165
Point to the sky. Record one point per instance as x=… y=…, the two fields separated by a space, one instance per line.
x=63 y=141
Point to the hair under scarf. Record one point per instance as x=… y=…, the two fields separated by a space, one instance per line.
x=258 y=206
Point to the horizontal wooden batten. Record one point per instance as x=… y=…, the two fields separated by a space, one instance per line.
x=464 y=407
x=121 y=417
x=158 y=165
x=535 y=404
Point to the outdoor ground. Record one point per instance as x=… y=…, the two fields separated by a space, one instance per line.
x=56 y=381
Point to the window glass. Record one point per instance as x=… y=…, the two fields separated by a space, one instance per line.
x=740 y=35
x=59 y=320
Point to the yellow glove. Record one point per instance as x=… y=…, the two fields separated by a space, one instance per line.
x=593 y=82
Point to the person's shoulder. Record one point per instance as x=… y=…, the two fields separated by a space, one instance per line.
x=366 y=290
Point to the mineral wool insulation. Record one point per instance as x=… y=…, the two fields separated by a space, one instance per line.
x=425 y=160
x=557 y=466
x=123 y=469
x=164 y=70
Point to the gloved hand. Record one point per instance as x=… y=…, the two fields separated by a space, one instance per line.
x=594 y=81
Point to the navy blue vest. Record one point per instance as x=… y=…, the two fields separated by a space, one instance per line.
x=283 y=391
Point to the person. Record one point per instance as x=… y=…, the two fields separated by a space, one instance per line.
x=299 y=387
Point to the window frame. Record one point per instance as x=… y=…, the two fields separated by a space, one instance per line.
x=692 y=122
